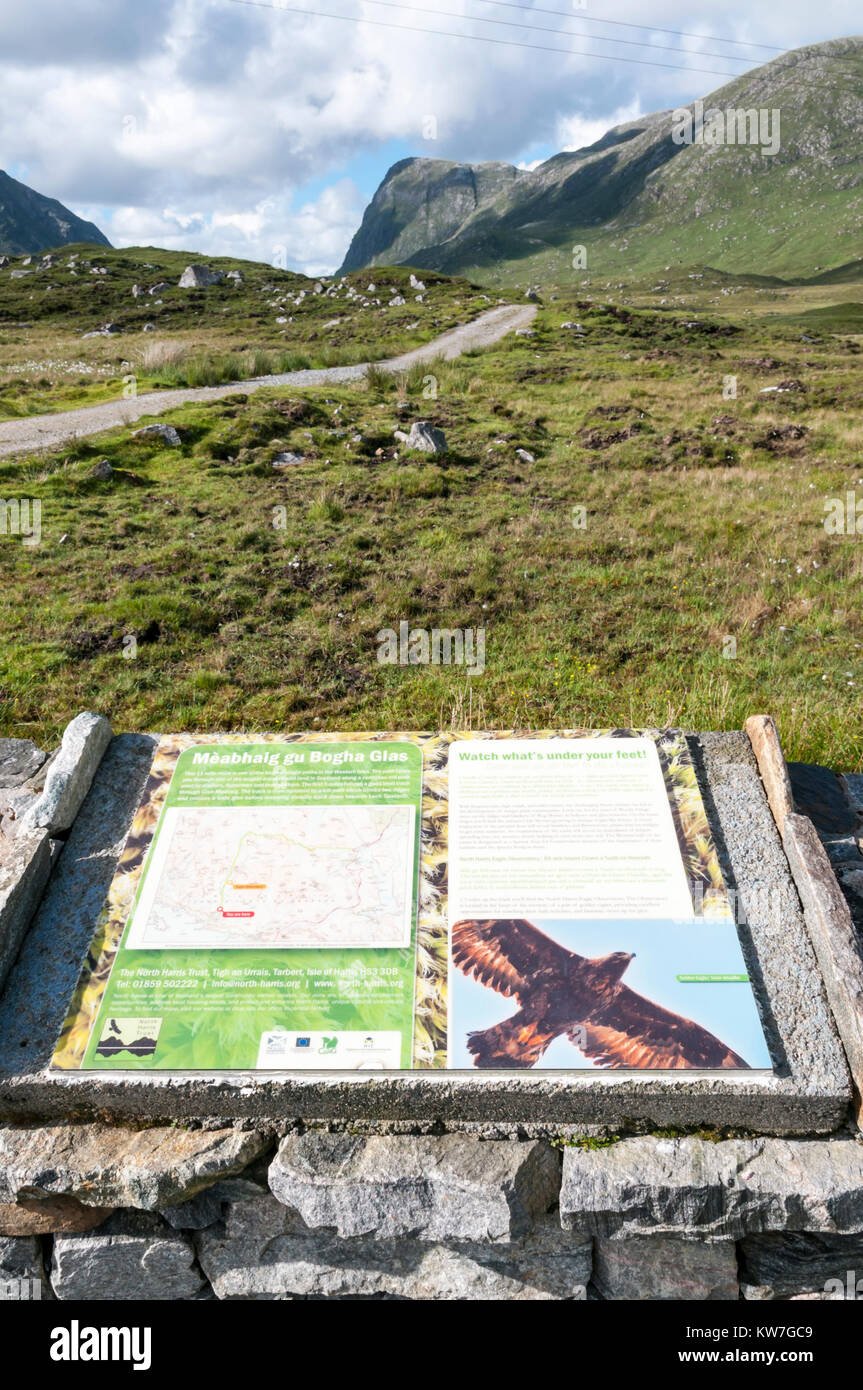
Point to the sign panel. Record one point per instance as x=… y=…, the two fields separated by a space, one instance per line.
x=397 y=901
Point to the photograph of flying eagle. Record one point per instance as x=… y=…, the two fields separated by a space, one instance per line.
x=560 y=992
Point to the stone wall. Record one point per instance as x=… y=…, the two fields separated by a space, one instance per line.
x=100 y=1212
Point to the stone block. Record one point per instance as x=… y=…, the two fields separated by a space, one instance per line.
x=263 y=1251
x=694 y=1188
x=24 y=872
x=107 y=1165
x=22 y=1274
x=134 y=1256
x=445 y=1187
x=72 y=770
x=800 y=1262
x=20 y=759
x=49 y=1216
x=663 y=1268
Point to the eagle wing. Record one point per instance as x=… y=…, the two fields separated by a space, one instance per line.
x=631 y=1031
x=506 y=953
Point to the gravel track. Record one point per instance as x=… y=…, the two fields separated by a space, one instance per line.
x=43 y=432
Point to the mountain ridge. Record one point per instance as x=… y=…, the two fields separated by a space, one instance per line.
x=637 y=200
x=30 y=222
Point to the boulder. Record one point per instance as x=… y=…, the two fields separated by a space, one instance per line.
x=110 y=1166
x=166 y=433
x=199 y=277
x=102 y=470
x=160 y=288
x=424 y=437
x=447 y=1187
x=72 y=770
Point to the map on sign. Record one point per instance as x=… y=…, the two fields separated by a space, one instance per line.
x=277 y=877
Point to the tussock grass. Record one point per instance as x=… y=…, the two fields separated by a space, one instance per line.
x=262 y=590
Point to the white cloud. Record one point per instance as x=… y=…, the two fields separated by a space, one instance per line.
x=203 y=126
x=575 y=133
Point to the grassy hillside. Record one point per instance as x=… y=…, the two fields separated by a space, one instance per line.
x=255 y=594
x=196 y=337
x=640 y=203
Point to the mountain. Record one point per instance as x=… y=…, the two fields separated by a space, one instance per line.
x=30 y=222
x=639 y=201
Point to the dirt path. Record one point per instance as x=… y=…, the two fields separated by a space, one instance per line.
x=52 y=431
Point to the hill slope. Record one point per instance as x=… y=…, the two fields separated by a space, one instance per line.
x=30 y=222
x=638 y=201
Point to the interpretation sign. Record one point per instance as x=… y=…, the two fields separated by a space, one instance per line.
x=398 y=901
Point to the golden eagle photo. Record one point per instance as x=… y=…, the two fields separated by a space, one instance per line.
x=562 y=993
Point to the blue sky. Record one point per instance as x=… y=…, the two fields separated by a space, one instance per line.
x=228 y=128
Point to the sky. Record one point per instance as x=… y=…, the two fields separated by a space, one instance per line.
x=261 y=130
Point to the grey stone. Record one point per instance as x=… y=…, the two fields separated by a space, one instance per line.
x=207 y=1207
x=22 y=1275
x=424 y=437
x=763 y=1293
x=286 y=459
x=25 y=868
x=199 y=277
x=833 y=936
x=447 y=1187
x=692 y=1187
x=663 y=1269
x=109 y=1166
x=818 y=795
x=160 y=288
x=19 y=760
x=84 y=741
x=798 y=1262
x=525 y=456
x=532 y=296
x=166 y=433
x=102 y=470
x=263 y=1251
x=134 y=1256
x=852 y=785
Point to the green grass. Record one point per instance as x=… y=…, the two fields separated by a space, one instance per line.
x=205 y=337
x=256 y=595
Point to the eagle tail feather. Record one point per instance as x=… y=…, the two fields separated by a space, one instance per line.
x=517 y=1042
